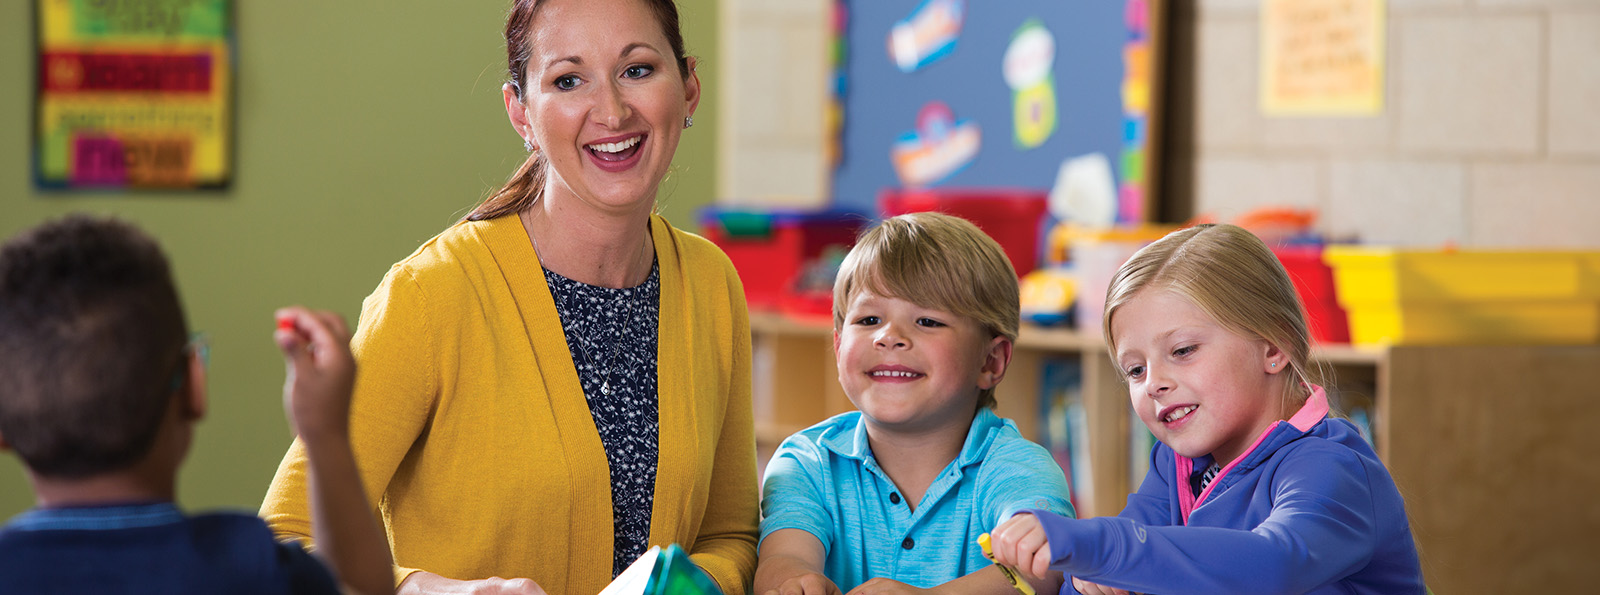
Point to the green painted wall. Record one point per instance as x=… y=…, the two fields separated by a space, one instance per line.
x=359 y=135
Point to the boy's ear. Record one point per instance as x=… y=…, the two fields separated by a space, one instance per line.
x=996 y=358
x=193 y=392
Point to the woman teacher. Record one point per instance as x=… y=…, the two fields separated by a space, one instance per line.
x=562 y=379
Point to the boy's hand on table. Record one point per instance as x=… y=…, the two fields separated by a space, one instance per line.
x=806 y=584
x=1020 y=543
x=884 y=586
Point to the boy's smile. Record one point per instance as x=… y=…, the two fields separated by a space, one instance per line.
x=911 y=368
x=894 y=374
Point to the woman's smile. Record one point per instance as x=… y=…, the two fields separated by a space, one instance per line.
x=617 y=153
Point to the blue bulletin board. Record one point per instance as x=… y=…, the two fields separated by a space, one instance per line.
x=943 y=64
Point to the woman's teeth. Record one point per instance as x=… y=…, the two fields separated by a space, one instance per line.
x=1179 y=413
x=615 y=147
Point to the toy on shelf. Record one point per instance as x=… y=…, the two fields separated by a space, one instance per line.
x=779 y=251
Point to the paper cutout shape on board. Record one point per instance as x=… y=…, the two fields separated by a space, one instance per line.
x=940 y=147
x=1085 y=192
x=1027 y=67
x=930 y=33
x=663 y=571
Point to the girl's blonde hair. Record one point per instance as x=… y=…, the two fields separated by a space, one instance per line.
x=1235 y=279
x=936 y=261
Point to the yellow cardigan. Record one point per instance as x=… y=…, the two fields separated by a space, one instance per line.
x=476 y=444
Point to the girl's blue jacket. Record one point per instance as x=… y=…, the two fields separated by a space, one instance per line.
x=1308 y=509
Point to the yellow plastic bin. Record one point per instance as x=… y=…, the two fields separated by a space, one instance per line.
x=1467 y=296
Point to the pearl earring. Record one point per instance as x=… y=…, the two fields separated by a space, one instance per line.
x=688 y=121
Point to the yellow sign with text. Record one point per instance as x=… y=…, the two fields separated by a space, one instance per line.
x=1322 y=57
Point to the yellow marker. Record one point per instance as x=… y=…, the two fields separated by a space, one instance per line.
x=1011 y=575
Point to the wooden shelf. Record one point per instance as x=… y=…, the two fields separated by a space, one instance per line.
x=771 y=322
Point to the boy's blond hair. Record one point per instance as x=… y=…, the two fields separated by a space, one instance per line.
x=937 y=261
x=1235 y=279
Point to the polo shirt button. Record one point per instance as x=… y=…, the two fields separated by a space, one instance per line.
x=908 y=543
x=894 y=498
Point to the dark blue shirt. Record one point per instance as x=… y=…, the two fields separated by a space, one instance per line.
x=151 y=548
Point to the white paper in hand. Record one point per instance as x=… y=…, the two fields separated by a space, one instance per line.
x=663 y=571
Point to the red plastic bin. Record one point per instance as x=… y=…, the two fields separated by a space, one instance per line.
x=1011 y=216
x=769 y=248
x=1313 y=281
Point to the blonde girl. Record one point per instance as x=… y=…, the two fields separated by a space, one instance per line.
x=1253 y=486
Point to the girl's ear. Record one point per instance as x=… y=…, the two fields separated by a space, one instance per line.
x=995 y=361
x=1274 y=360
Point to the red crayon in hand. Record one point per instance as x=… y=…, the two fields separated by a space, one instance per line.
x=286 y=323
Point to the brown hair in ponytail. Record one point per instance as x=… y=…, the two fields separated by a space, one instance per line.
x=526 y=185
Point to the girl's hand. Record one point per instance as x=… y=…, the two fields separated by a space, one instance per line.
x=1088 y=588
x=884 y=586
x=1021 y=544
x=806 y=584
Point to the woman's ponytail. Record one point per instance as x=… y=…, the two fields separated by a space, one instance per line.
x=519 y=192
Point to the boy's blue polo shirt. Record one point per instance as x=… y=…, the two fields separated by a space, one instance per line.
x=824 y=480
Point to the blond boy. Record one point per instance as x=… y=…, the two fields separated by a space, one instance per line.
x=892 y=497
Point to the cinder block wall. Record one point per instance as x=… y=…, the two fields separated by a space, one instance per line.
x=775 y=92
x=1489 y=137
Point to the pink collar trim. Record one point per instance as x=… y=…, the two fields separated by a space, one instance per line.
x=1315 y=409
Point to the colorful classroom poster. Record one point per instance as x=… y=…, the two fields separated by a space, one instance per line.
x=1322 y=57
x=133 y=94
